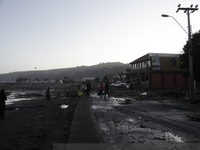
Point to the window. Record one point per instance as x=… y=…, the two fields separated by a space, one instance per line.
x=149 y=63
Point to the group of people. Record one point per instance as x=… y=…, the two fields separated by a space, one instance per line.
x=104 y=90
x=86 y=88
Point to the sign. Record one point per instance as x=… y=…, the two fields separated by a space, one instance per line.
x=155 y=63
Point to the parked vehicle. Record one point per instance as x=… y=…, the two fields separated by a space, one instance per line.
x=118 y=84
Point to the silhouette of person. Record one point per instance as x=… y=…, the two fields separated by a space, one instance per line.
x=106 y=89
x=83 y=87
x=88 y=86
x=48 y=94
x=3 y=98
x=101 y=89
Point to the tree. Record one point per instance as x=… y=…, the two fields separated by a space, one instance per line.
x=195 y=44
x=66 y=78
x=46 y=79
x=18 y=80
x=36 y=80
x=97 y=79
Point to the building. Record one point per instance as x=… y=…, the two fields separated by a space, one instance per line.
x=158 y=70
x=83 y=79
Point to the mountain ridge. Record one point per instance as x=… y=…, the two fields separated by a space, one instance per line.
x=98 y=70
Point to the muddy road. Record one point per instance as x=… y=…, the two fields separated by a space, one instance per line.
x=128 y=122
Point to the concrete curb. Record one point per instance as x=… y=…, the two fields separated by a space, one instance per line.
x=83 y=129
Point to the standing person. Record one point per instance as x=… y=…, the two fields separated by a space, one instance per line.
x=88 y=86
x=3 y=98
x=48 y=94
x=69 y=91
x=101 y=89
x=106 y=89
x=83 y=87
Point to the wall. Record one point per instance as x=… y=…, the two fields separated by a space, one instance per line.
x=155 y=80
x=168 y=80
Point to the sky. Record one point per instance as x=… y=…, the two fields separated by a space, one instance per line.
x=52 y=34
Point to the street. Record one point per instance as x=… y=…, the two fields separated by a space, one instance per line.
x=127 y=122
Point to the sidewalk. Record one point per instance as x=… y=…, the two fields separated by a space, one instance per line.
x=83 y=129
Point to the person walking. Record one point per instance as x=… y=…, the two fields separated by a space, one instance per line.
x=83 y=87
x=106 y=89
x=48 y=94
x=101 y=89
x=3 y=98
x=88 y=86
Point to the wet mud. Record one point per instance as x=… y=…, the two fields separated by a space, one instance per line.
x=36 y=124
x=126 y=130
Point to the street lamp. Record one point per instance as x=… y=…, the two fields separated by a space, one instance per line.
x=164 y=15
x=35 y=73
x=190 y=50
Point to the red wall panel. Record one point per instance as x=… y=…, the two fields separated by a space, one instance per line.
x=181 y=81
x=168 y=80
x=156 y=80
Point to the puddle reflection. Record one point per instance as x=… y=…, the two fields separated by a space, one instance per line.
x=130 y=120
x=112 y=101
x=64 y=106
x=20 y=96
x=94 y=95
x=101 y=107
x=171 y=137
x=12 y=101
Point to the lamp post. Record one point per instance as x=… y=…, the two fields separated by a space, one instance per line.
x=188 y=10
x=164 y=15
x=191 y=86
x=35 y=73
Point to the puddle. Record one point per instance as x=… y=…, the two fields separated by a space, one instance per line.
x=174 y=138
x=130 y=120
x=64 y=106
x=20 y=96
x=101 y=107
x=117 y=101
x=94 y=95
x=9 y=102
x=12 y=101
x=111 y=101
x=143 y=94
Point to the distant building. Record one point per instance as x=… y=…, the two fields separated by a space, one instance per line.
x=157 y=70
x=87 y=79
x=56 y=81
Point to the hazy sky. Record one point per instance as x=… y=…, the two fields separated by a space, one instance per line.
x=50 y=34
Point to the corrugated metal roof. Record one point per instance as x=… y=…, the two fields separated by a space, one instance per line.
x=149 y=55
x=145 y=57
x=163 y=54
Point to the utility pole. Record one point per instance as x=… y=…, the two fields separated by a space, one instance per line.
x=35 y=73
x=189 y=10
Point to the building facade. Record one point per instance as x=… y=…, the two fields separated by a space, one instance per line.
x=158 y=70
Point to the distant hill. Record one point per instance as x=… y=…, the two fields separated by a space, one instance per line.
x=99 y=70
